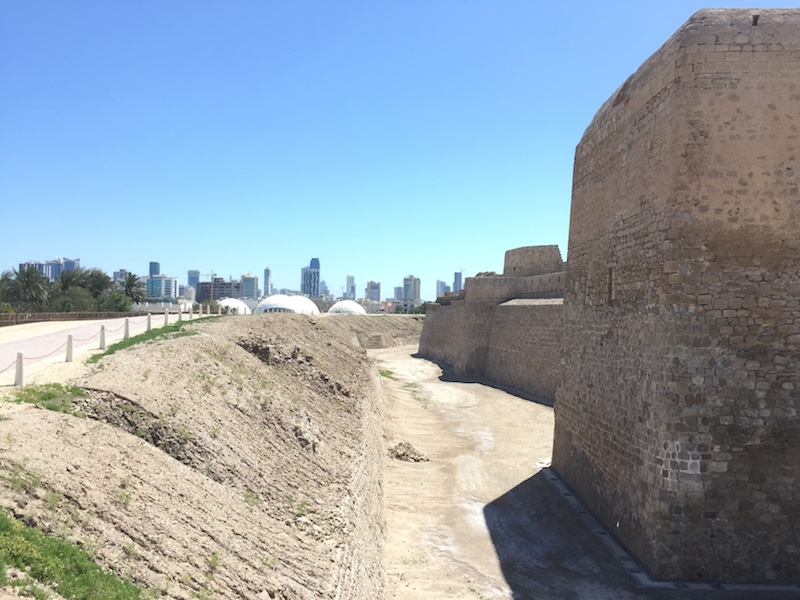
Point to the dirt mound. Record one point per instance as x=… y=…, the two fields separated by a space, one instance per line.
x=239 y=461
x=406 y=452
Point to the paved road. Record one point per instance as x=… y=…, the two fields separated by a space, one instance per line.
x=44 y=344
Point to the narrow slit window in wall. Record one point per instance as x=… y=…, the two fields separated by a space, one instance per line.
x=611 y=291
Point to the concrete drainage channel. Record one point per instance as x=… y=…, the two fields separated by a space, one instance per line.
x=642 y=578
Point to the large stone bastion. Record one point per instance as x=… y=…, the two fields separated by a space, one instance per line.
x=676 y=421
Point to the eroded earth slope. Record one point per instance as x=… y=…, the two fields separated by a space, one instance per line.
x=240 y=461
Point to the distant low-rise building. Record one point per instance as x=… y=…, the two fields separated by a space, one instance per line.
x=187 y=292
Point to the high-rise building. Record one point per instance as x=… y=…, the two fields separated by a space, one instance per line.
x=350 y=289
x=267 y=281
x=398 y=293
x=217 y=289
x=226 y=289
x=457 y=282
x=161 y=287
x=411 y=288
x=52 y=269
x=323 y=288
x=441 y=288
x=309 y=279
x=120 y=275
x=155 y=268
x=249 y=286
x=373 y=291
x=193 y=278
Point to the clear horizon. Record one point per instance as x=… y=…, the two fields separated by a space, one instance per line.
x=385 y=139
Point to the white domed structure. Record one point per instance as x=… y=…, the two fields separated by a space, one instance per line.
x=234 y=306
x=347 y=307
x=275 y=303
x=303 y=305
x=284 y=303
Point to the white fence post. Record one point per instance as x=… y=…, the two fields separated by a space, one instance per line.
x=102 y=337
x=166 y=317
x=191 y=311
x=19 y=380
x=149 y=322
x=127 y=329
x=180 y=315
x=69 y=347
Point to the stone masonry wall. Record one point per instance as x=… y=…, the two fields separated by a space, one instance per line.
x=676 y=420
x=532 y=260
x=458 y=330
x=525 y=346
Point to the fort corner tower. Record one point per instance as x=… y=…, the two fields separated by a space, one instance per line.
x=676 y=421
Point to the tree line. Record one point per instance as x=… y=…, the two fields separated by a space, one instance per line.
x=81 y=290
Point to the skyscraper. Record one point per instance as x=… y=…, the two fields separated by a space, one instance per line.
x=457 y=282
x=155 y=269
x=350 y=290
x=441 y=288
x=309 y=279
x=373 y=291
x=249 y=286
x=193 y=278
x=411 y=288
x=267 y=281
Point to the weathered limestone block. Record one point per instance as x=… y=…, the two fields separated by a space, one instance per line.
x=677 y=417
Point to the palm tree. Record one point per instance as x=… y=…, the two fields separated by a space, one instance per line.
x=26 y=289
x=98 y=282
x=70 y=279
x=134 y=288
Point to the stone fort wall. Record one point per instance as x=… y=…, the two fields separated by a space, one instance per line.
x=525 y=346
x=677 y=417
x=471 y=332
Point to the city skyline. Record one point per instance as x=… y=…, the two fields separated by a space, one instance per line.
x=194 y=276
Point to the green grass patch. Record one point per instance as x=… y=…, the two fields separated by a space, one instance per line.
x=25 y=480
x=53 y=562
x=52 y=396
x=173 y=330
x=387 y=373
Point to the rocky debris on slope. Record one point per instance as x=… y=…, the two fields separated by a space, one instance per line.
x=242 y=461
x=406 y=452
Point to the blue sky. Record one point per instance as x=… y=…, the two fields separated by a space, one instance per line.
x=385 y=138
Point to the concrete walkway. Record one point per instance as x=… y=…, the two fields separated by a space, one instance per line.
x=44 y=344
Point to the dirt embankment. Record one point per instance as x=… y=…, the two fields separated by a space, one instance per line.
x=239 y=462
